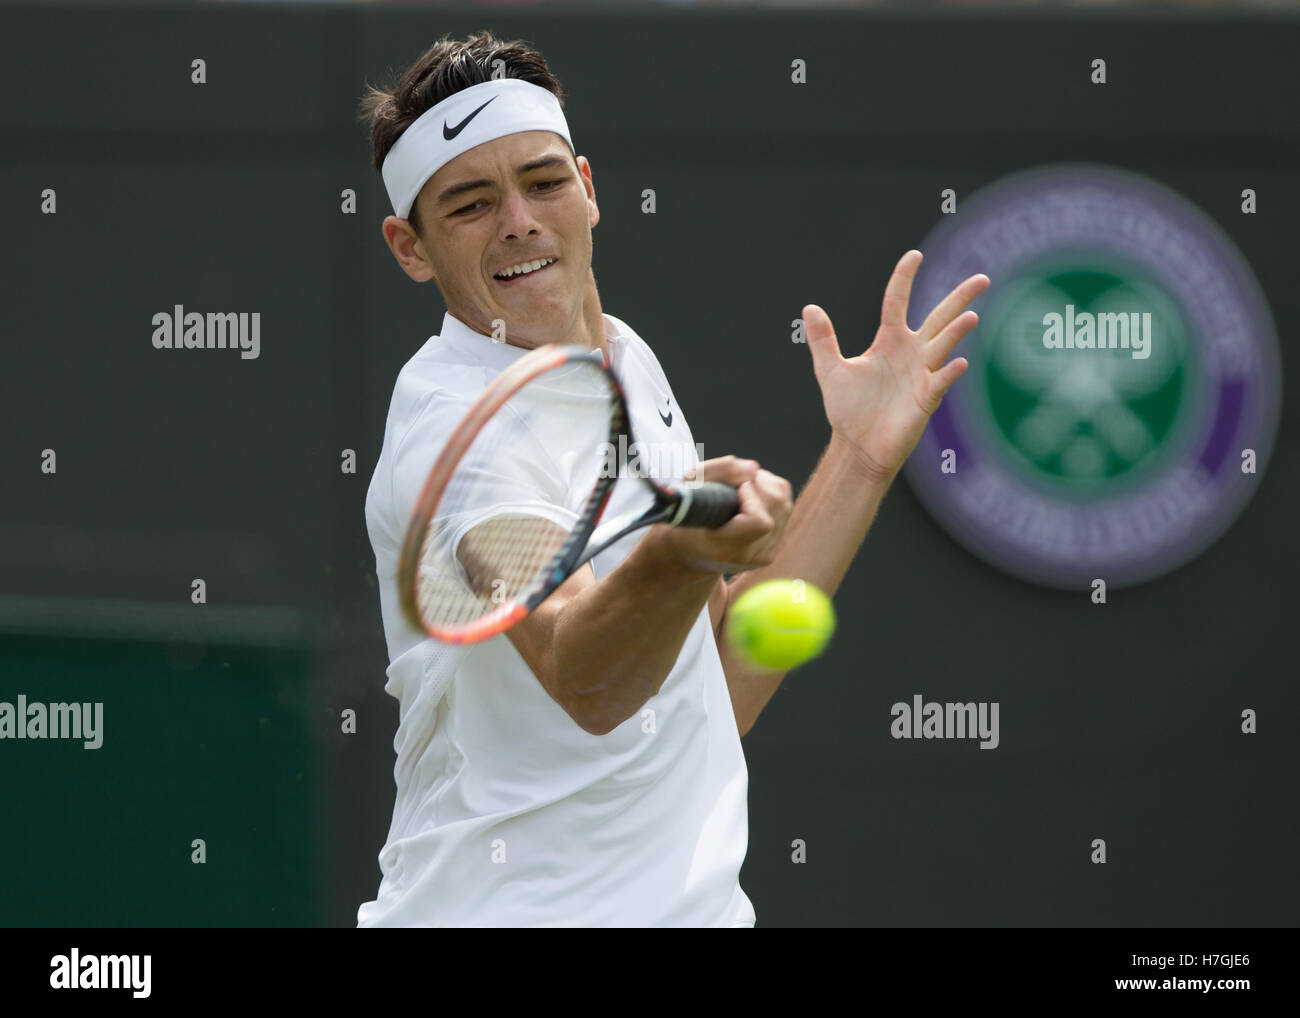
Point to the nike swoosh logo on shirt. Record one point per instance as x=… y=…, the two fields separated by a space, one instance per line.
x=668 y=421
x=450 y=132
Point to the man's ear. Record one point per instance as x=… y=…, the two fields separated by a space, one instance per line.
x=407 y=248
x=584 y=172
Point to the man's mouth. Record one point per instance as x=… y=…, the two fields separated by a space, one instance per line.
x=524 y=270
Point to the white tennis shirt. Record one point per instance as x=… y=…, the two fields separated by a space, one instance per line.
x=508 y=813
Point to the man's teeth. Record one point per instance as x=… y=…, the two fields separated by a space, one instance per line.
x=524 y=268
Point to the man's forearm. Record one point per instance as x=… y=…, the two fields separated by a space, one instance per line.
x=616 y=641
x=831 y=518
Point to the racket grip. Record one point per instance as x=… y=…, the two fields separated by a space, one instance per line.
x=709 y=505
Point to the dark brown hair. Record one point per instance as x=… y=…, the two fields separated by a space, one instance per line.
x=445 y=68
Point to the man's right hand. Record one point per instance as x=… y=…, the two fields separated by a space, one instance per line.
x=749 y=540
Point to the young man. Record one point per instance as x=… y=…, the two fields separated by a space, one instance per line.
x=584 y=768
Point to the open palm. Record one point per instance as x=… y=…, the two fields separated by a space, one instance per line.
x=880 y=401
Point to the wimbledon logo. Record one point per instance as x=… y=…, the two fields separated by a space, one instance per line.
x=1124 y=385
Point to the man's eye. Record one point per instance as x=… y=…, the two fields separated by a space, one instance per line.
x=546 y=185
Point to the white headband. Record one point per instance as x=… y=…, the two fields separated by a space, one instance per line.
x=470 y=117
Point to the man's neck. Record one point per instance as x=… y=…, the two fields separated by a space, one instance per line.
x=594 y=317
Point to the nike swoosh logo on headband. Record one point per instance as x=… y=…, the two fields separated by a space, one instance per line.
x=450 y=132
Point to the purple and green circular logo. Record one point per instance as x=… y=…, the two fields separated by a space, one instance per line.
x=1124 y=386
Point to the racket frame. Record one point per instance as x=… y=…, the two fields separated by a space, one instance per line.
x=573 y=553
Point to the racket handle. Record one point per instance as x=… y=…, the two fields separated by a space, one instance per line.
x=708 y=505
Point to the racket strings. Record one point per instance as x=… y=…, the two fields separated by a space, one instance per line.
x=513 y=498
x=503 y=560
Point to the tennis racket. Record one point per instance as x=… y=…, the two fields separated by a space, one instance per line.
x=502 y=521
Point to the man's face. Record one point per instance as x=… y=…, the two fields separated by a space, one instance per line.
x=489 y=210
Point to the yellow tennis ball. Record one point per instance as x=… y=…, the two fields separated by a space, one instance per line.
x=778 y=624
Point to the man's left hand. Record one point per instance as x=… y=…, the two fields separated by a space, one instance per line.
x=880 y=401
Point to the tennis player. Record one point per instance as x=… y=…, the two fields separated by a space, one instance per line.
x=584 y=768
